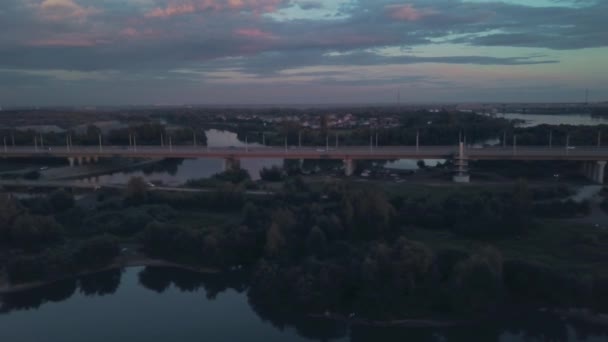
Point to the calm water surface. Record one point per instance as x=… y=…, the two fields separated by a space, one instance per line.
x=178 y=174
x=161 y=304
x=532 y=120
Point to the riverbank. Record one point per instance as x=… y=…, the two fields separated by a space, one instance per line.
x=123 y=262
x=87 y=171
x=404 y=323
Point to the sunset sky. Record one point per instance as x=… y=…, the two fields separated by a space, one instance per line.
x=114 y=52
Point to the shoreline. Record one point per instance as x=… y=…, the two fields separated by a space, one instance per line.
x=404 y=323
x=109 y=170
x=581 y=315
x=7 y=288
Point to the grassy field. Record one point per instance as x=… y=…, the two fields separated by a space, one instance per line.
x=561 y=244
x=205 y=219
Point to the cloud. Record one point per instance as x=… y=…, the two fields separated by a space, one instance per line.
x=172 y=10
x=57 y=10
x=187 y=7
x=254 y=33
x=407 y=12
x=142 y=39
x=309 y=4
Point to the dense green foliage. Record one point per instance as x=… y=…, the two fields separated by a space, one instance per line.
x=63 y=261
x=273 y=174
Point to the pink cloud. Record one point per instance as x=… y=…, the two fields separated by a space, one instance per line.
x=66 y=42
x=171 y=10
x=192 y=6
x=254 y=33
x=133 y=33
x=58 y=10
x=407 y=12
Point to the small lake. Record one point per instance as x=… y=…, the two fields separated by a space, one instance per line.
x=162 y=304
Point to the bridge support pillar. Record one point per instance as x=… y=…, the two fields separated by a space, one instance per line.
x=88 y=159
x=600 y=168
x=462 y=166
x=96 y=159
x=349 y=167
x=231 y=164
x=79 y=161
x=586 y=170
x=594 y=171
x=71 y=161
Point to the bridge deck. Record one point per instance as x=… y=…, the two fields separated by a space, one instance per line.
x=350 y=152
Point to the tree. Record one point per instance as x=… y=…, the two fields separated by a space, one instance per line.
x=137 y=190
x=31 y=230
x=235 y=176
x=251 y=215
x=275 y=241
x=157 y=238
x=413 y=261
x=373 y=214
x=519 y=211
x=273 y=174
x=97 y=251
x=25 y=269
x=61 y=200
x=478 y=281
x=9 y=211
x=316 y=242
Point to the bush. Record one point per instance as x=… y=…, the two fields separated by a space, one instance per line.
x=532 y=283
x=32 y=175
x=273 y=174
x=137 y=190
x=31 y=230
x=25 y=269
x=97 y=252
x=233 y=176
x=129 y=221
x=173 y=242
x=61 y=200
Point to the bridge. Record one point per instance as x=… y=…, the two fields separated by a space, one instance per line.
x=594 y=158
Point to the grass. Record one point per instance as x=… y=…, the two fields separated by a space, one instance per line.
x=560 y=244
x=207 y=219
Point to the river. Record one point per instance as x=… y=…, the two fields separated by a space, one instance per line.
x=162 y=304
x=175 y=174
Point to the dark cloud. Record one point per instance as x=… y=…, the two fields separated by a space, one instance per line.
x=122 y=37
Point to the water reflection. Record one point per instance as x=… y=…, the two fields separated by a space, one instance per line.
x=178 y=172
x=161 y=279
x=98 y=284
x=531 y=120
x=152 y=304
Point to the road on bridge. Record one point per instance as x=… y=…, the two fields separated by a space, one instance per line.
x=345 y=152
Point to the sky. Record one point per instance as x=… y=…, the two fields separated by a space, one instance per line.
x=174 y=52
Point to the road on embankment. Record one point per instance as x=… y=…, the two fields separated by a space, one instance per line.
x=93 y=187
